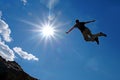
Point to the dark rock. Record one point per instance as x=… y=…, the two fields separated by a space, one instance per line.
x=10 y=70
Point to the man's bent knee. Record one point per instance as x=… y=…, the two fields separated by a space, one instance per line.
x=88 y=39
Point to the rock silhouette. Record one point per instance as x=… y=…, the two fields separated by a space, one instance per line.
x=10 y=70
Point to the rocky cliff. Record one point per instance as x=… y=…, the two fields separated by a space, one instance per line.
x=10 y=70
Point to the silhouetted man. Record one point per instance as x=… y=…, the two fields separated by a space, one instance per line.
x=88 y=36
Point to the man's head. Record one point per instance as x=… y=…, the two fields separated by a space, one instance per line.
x=77 y=21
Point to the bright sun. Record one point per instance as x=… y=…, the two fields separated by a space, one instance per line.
x=47 y=31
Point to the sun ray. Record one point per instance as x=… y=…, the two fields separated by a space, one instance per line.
x=45 y=31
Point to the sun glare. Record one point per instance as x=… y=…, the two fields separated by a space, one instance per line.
x=47 y=31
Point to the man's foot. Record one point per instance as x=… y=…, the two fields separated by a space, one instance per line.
x=103 y=34
x=97 y=40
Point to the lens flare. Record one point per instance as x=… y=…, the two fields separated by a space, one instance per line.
x=47 y=31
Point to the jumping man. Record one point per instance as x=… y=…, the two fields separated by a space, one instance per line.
x=88 y=36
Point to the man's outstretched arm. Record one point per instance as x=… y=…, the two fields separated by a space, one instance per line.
x=90 y=21
x=70 y=29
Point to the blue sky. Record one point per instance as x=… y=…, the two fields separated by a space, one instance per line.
x=61 y=56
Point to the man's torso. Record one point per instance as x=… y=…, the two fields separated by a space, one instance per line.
x=80 y=26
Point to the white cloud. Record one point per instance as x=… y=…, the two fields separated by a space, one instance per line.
x=24 y=1
x=6 y=52
x=24 y=54
x=4 y=30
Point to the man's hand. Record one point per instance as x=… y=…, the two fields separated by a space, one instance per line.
x=67 y=32
x=93 y=20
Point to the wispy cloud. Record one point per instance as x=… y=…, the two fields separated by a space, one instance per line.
x=4 y=30
x=49 y=3
x=52 y=3
x=24 y=1
x=24 y=54
x=6 y=52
